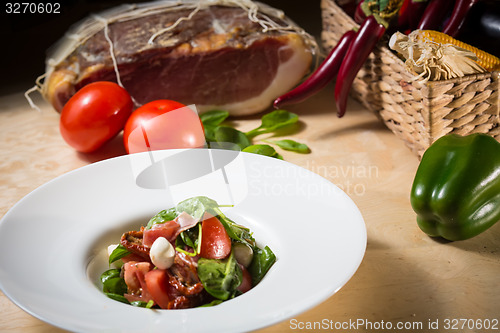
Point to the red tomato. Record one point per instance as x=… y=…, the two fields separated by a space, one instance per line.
x=157 y=284
x=134 y=275
x=215 y=242
x=94 y=115
x=163 y=124
x=246 y=283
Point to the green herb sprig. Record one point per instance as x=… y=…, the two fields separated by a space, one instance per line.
x=221 y=135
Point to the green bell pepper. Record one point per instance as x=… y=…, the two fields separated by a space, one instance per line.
x=456 y=190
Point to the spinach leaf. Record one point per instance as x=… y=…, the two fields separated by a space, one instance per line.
x=273 y=121
x=213 y=117
x=234 y=231
x=262 y=261
x=196 y=206
x=225 y=134
x=109 y=274
x=261 y=149
x=142 y=304
x=292 y=145
x=210 y=135
x=220 y=277
x=189 y=238
x=116 y=297
x=162 y=217
x=211 y=121
x=112 y=282
x=119 y=252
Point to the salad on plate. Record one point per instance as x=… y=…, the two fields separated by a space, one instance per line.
x=187 y=256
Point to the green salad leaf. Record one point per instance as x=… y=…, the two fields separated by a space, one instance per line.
x=196 y=206
x=189 y=238
x=119 y=252
x=291 y=145
x=162 y=217
x=220 y=277
x=213 y=117
x=112 y=282
x=225 y=134
x=273 y=121
x=211 y=121
x=262 y=149
x=262 y=261
x=222 y=136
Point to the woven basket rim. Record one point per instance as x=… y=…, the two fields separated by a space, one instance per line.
x=384 y=48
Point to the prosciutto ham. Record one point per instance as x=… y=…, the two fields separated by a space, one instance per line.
x=170 y=229
x=236 y=55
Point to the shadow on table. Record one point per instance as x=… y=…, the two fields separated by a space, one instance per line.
x=110 y=149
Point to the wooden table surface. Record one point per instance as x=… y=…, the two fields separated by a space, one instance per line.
x=405 y=278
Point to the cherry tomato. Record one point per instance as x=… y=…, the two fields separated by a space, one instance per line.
x=94 y=115
x=215 y=242
x=157 y=285
x=163 y=124
x=246 y=283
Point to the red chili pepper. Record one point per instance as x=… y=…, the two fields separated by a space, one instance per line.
x=363 y=44
x=348 y=6
x=410 y=13
x=325 y=73
x=435 y=14
x=359 y=14
x=404 y=16
x=458 y=16
x=417 y=9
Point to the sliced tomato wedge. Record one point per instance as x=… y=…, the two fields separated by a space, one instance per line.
x=134 y=275
x=246 y=283
x=215 y=242
x=157 y=284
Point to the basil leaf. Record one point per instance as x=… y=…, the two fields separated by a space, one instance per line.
x=196 y=206
x=116 y=297
x=189 y=238
x=262 y=261
x=119 y=252
x=234 y=231
x=225 y=134
x=210 y=134
x=220 y=277
x=273 y=121
x=292 y=145
x=109 y=274
x=142 y=304
x=162 y=217
x=115 y=285
x=213 y=117
x=261 y=149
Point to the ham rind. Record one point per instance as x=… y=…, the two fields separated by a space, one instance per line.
x=218 y=58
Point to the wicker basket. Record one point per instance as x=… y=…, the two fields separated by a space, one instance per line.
x=418 y=113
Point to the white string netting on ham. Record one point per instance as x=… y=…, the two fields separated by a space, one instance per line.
x=270 y=19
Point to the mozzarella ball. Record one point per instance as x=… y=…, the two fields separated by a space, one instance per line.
x=162 y=253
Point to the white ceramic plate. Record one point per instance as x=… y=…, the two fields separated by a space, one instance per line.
x=49 y=241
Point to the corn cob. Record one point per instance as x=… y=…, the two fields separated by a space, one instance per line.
x=484 y=59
